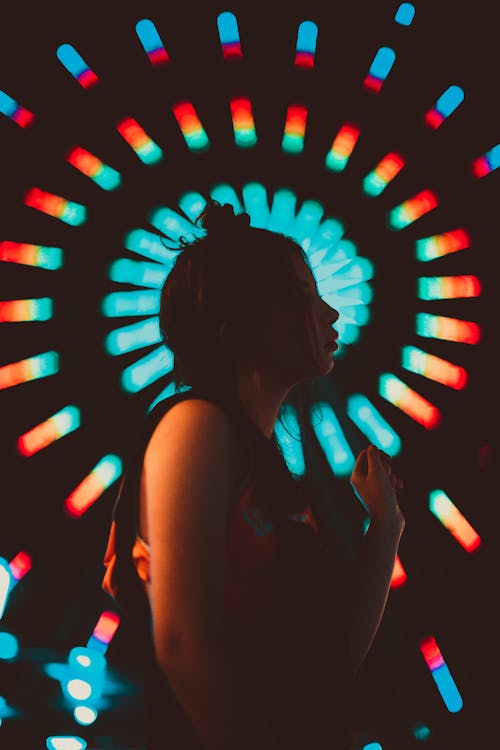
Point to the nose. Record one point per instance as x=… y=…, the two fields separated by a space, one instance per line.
x=336 y=315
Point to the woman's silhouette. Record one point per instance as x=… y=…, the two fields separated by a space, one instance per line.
x=256 y=634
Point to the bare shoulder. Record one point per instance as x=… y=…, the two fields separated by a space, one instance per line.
x=195 y=431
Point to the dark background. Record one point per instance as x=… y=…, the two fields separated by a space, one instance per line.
x=449 y=594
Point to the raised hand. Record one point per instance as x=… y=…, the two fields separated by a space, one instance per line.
x=375 y=483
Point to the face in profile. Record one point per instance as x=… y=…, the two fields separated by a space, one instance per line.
x=304 y=348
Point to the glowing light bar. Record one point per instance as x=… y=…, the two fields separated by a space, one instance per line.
x=438 y=245
x=65 y=742
x=379 y=69
x=371 y=423
x=444 y=107
x=342 y=147
x=409 y=401
x=243 y=122
x=399 y=576
x=76 y=65
x=174 y=226
x=134 y=336
x=20 y=565
x=151 y=41
x=150 y=245
x=123 y=304
x=295 y=128
x=292 y=449
x=9 y=649
x=191 y=127
x=448 y=287
x=405 y=14
x=55 y=427
x=89 y=165
x=333 y=442
x=138 y=273
x=54 y=205
x=5 y=584
x=306 y=223
x=22 y=310
x=325 y=239
x=486 y=163
x=145 y=148
x=305 y=50
x=192 y=204
x=255 y=201
x=226 y=194
x=433 y=367
x=40 y=366
x=92 y=487
x=20 y=115
x=282 y=213
x=412 y=209
x=448 y=329
x=441 y=674
x=372 y=746
x=385 y=171
x=49 y=258
x=229 y=35
x=451 y=518
x=147 y=370
x=104 y=631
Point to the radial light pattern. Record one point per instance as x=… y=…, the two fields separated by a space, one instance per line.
x=346 y=279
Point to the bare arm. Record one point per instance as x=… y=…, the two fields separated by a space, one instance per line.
x=373 y=570
x=189 y=470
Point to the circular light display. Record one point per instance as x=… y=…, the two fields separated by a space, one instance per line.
x=108 y=187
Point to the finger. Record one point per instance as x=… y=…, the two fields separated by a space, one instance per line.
x=361 y=465
x=374 y=458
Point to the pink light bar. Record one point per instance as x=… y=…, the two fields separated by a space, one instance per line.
x=438 y=245
x=56 y=206
x=433 y=367
x=412 y=209
x=20 y=565
x=106 y=627
x=49 y=258
x=342 y=147
x=20 y=115
x=448 y=329
x=441 y=674
x=431 y=653
x=409 y=401
x=486 y=163
x=84 y=495
x=55 y=427
x=451 y=518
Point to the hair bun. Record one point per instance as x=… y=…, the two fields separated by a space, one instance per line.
x=221 y=219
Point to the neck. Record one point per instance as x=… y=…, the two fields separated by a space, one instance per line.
x=261 y=399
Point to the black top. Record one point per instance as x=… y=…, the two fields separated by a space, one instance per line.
x=304 y=630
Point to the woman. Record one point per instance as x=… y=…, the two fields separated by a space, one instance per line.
x=256 y=638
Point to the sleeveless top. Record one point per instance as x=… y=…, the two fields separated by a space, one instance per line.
x=283 y=594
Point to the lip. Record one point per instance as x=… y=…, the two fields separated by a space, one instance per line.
x=332 y=344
